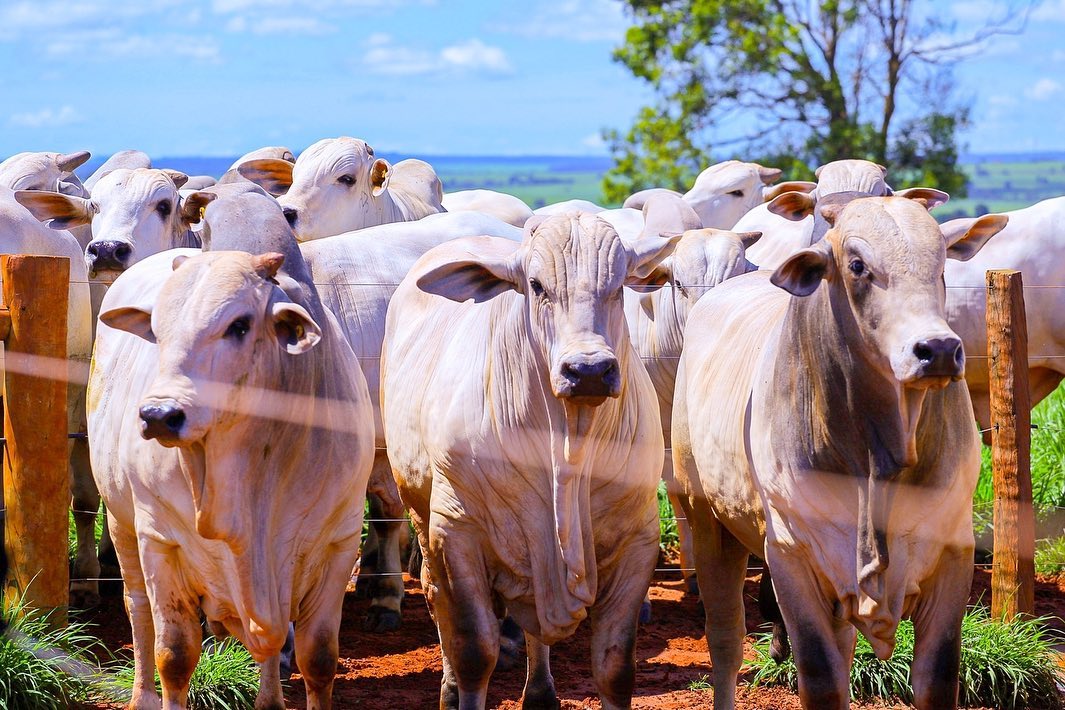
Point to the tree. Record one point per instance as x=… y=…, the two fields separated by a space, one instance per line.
x=810 y=81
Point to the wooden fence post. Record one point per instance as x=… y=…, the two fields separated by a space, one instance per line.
x=36 y=480
x=1013 y=571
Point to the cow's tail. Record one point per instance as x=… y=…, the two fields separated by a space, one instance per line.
x=780 y=646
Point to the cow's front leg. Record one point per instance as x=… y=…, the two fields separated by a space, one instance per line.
x=270 y=696
x=177 y=630
x=463 y=609
x=818 y=638
x=937 y=631
x=139 y=609
x=539 y=693
x=614 y=620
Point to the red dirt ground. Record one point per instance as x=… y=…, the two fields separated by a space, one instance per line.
x=402 y=669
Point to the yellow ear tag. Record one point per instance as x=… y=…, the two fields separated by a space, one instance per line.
x=203 y=211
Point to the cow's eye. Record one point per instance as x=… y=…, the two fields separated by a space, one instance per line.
x=857 y=267
x=164 y=208
x=537 y=287
x=736 y=193
x=238 y=328
x=346 y=180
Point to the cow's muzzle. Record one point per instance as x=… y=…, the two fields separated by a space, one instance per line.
x=109 y=255
x=589 y=379
x=940 y=358
x=163 y=422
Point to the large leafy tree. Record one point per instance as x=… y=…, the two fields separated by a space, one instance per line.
x=801 y=82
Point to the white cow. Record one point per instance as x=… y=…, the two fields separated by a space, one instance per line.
x=43 y=171
x=126 y=159
x=525 y=439
x=507 y=208
x=567 y=206
x=356 y=274
x=21 y=233
x=1028 y=243
x=231 y=436
x=272 y=152
x=337 y=185
x=787 y=221
x=817 y=424
x=726 y=191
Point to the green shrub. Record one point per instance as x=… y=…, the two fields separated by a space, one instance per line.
x=1050 y=556
x=41 y=667
x=667 y=520
x=1003 y=665
x=226 y=678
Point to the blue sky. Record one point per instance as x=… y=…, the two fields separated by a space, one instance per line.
x=463 y=77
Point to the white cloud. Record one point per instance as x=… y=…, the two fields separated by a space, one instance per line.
x=291 y=26
x=46 y=118
x=109 y=44
x=473 y=56
x=578 y=20
x=1003 y=100
x=1043 y=89
x=595 y=142
x=1049 y=11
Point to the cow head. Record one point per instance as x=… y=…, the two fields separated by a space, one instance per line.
x=49 y=172
x=571 y=269
x=726 y=191
x=223 y=327
x=852 y=176
x=134 y=214
x=702 y=259
x=337 y=185
x=882 y=260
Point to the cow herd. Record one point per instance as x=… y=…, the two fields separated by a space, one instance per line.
x=272 y=348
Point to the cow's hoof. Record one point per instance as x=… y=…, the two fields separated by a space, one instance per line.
x=541 y=700
x=693 y=586
x=645 y=612
x=510 y=653
x=380 y=619
x=81 y=598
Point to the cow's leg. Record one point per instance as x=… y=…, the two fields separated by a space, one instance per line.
x=539 y=693
x=85 y=500
x=779 y=647
x=937 y=632
x=462 y=606
x=721 y=565
x=139 y=610
x=177 y=630
x=816 y=635
x=270 y=696
x=614 y=619
x=684 y=531
x=386 y=589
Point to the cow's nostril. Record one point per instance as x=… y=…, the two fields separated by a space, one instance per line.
x=923 y=352
x=175 y=421
x=122 y=252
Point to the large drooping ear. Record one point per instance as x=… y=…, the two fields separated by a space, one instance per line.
x=192 y=207
x=380 y=174
x=803 y=271
x=771 y=193
x=927 y=196
x=56 y=210
x=646 y=253
x=965 y=237
x=68 y=162
x=794 y=206
x=295 y=329
x=271 y=174
x=476 y=278
x=136 y=320
x=769 y=175
x=177 y=176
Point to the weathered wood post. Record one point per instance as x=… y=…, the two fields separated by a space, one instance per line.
x=33 y=323
x=1013 y=571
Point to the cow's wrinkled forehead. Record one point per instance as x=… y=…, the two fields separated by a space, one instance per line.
x=904 y=237
x=208 y=289
x=851 y=176
x=577 y=250
x=333 y=155
x=727 y=174
x=134 y=185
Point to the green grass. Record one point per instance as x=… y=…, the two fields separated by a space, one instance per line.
x=43 y=668
x=226 y=678
x=1003 y=665
x=1050 y=556
x=667 y=520
x=700 y=683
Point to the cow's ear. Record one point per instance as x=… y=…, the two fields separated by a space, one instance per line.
x=56 y=210
x=380 y=174
x=295 y=329
x=658 y=277
x=271 y=174
x=177 y=176
x=769 y=175
x=965 y=237
x=647 y=252
x=927 y=196
x=803 y=271
x=192 y=207
x=132 y=319
x=771 y=193
x=479 y=279
x=794 y=206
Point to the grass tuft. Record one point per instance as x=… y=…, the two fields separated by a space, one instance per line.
x=1003 y=665
x=666 y=523
x=41 y=667
x=701 y=683
x=226 y=678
